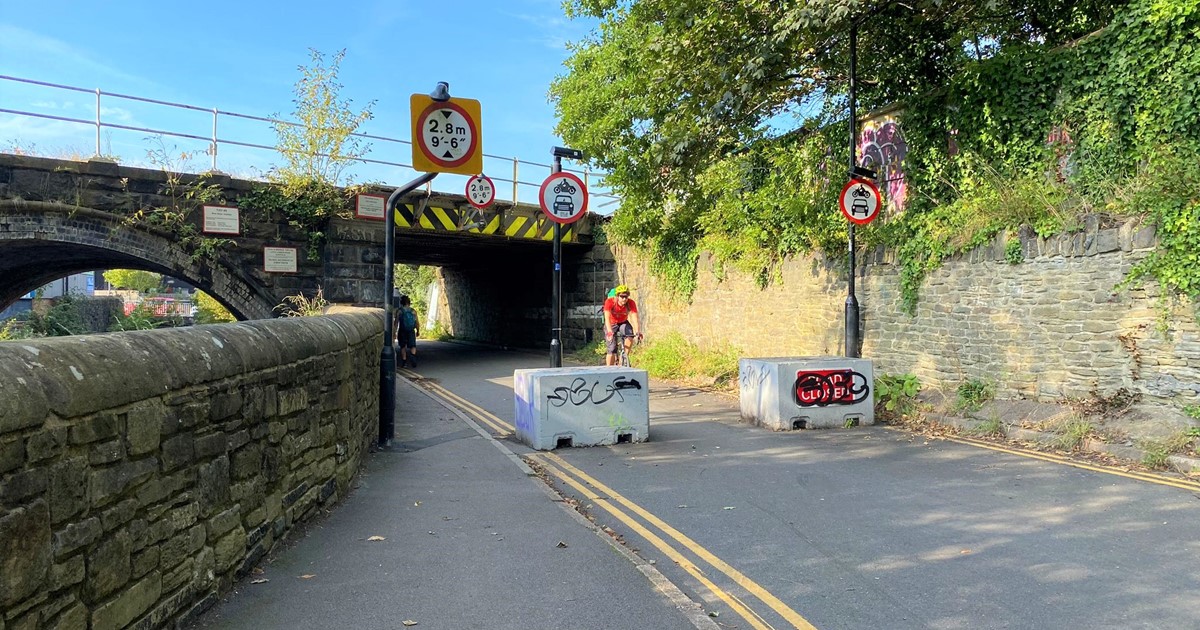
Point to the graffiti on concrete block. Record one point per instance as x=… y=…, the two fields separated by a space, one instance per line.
x=882 y=148
x=752 y=376
x=821 y=388
x=580 y=392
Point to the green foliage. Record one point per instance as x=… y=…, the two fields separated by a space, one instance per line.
x=1029 y=113
x=896 y=395
x=306 y=206
x=209 y=310
x=185 y=195
x=318 y=149
x=1168 y=187
x=1155 y=455
x=61 y=320
x=13 y=329
x=991 y=427
x=134 y=280
x=301 y=305
x=414 y=281
x=591 y=354
x=1073 y=434
x=972 y=394
x=1012 y=252
x=439 y=332
x=673 y=357
x=1193 y=412
x=140 y=318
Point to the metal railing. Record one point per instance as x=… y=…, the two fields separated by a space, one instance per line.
x=215 y=141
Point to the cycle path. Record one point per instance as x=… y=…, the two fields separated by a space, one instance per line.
x=867 y=527
x=445 y=530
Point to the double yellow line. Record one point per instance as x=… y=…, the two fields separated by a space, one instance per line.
x=623 y=510
x=500 y=427
x=1066 y=461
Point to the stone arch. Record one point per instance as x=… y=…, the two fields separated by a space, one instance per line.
x=44 y=241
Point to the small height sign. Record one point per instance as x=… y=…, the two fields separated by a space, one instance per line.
x=221 y=220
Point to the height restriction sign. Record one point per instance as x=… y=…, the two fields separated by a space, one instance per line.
x=446 y=135
x=860 y=201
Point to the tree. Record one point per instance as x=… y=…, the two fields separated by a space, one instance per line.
x=665 y=88
x=322 y=144
x=209 y=310
x=414 y=281
x=134 y=280
x=723 y=123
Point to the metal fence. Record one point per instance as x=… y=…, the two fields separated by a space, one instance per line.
x=222 y=119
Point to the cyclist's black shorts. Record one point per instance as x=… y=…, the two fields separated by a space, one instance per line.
x=624 y=329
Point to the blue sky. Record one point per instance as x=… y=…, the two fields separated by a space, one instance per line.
x=243 y=57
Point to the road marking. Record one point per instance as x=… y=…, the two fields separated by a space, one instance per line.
x=752 y=618
x=740 y=579
x=502 y=428
x=482 y=414
x=1065 y=461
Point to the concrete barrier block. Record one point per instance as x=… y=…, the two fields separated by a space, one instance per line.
x=581 y=406
x=806 y=392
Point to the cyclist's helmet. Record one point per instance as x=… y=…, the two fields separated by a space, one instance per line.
x=621 y=288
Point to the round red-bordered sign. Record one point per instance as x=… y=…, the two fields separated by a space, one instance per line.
x=481 y=191
x=431 y=139
x=860 y=201
x=563 y=197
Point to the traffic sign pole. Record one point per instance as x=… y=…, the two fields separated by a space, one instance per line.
x=387 y=357
x=853 y=342
x=563 y=198
x=556 y=280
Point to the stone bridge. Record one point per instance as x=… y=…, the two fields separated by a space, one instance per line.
x=60 y=217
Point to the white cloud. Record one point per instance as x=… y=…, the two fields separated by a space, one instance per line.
x=20 y=43
x=552 y=31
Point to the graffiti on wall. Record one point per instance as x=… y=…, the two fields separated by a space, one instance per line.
x=1060 y=142
x=882 y=148
x=821 y=388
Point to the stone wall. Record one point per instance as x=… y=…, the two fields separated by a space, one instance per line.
x=1049 y=328
x=141 y=473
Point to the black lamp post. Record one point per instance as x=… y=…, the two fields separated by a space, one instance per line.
x=387 y=356
x=853 y=343
x=556 y=278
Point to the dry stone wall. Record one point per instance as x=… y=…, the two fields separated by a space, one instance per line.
x=1049 y=328
x=141 y=473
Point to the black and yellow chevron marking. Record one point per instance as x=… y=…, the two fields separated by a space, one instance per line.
x=532 y=226
x=521 y=227
x=546 y=231
x=430 y=218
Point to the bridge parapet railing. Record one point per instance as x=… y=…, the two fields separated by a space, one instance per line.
x=252 y=133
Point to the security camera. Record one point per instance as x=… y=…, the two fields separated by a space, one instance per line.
x=564 y=152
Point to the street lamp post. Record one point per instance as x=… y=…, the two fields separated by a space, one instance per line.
x=556 y=279
x=853 y=343
x=387 y=356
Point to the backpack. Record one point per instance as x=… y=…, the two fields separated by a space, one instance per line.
x=408 y=318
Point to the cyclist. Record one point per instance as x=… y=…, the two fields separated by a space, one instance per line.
x=620 y=320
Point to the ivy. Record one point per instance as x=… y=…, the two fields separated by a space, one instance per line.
x=306 y=206
x=1032 y=123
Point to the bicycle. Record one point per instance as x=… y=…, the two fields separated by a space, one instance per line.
x=622 y=351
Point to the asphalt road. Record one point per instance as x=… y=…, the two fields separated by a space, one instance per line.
x=860 y=528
